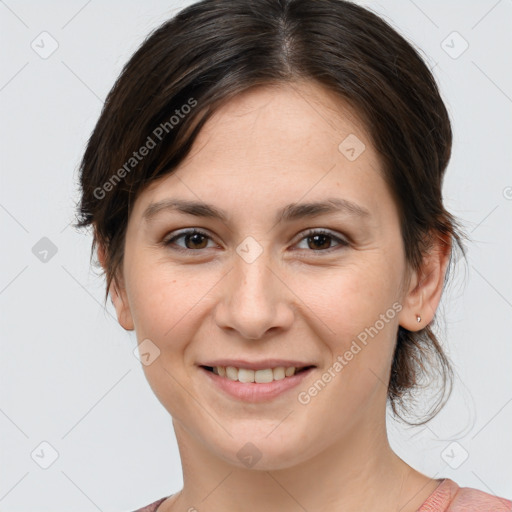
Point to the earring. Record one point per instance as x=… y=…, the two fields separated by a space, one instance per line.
x=418 y=318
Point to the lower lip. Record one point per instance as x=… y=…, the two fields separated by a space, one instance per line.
x=256 y=392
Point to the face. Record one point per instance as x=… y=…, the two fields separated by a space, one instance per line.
x=269 y=281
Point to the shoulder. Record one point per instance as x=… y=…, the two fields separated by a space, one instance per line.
x=468 y=499
x=449 y=497
x=152 y=506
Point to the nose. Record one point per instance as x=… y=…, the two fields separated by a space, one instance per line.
x=255 y=298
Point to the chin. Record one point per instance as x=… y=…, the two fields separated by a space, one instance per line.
x=258 y=452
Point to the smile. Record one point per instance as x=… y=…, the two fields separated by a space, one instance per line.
x=247 y=375
x=255 y=386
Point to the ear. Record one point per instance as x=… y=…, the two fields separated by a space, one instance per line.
x=118 y=296
x=426 y=286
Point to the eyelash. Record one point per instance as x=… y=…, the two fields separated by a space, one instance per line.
x=308 y=234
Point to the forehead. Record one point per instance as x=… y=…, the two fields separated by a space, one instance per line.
x=291 y=121
x=273 y=145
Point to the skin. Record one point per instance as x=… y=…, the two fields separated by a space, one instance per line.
x=264 y=149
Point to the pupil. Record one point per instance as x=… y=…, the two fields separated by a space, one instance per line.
x=324 y=237
x=195 y=237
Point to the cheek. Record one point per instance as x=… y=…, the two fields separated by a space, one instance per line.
x=359 y=306
x=165 y=304
x=351 y=298
x=166 y=299
x=163 y=298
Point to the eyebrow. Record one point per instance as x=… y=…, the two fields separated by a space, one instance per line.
x=291 y=212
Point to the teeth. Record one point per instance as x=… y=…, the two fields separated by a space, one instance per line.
x=289 y=371
x=258 y=376
x=279 y=373
x=245 y=375
x=231 y=373
x=262 y=376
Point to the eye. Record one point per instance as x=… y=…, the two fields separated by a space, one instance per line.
x=193 y=239
x=321 y=238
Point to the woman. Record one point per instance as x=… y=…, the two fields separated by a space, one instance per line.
x=264 y=185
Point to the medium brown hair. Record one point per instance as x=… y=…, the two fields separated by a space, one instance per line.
x=215 y=49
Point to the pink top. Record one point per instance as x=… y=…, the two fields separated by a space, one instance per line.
x=447 y=497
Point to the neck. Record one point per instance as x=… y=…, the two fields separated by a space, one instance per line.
x=358 y=472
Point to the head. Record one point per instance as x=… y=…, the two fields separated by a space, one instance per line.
x=259 y=109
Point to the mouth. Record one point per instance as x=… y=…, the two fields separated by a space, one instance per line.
x=261 y=376
x=262 y=384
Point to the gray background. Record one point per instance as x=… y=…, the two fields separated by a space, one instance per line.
x=68 y=374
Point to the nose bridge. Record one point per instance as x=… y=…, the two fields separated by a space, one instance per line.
x=252 y=273
x=255 y=298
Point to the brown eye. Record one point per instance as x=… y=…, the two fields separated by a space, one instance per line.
x=320 y=241
x=193 y=239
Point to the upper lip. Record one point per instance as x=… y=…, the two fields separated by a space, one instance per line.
x=256 y=365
